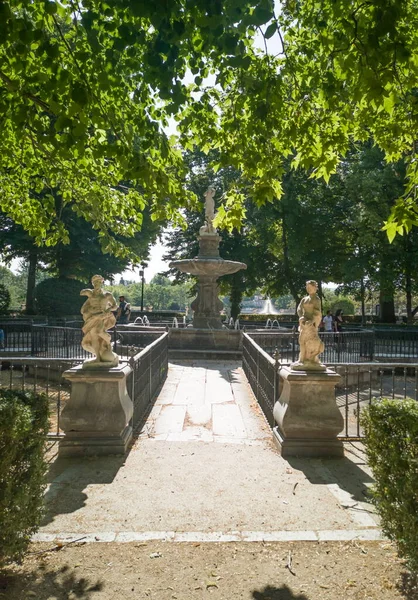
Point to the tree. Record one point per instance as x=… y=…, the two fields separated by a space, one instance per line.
x=80 y=256
x=84 y=90
x=344 y=72
x=15 y=242
x=4 y=299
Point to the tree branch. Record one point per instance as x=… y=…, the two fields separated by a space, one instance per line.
x=13 y=87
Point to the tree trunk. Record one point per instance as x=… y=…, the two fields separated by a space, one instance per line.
x=387 y=304
x=235 y=296
x=30 y=288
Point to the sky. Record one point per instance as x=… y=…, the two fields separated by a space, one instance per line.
x=155 y=265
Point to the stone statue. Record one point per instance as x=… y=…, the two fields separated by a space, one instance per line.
x=208 y=228
x=309 y=312
x=98 y=318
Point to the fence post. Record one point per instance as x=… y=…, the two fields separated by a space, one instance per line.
x=276 y=357
x=131 y=363
x=32 y=341
x=293 y=346
x=66 y=342
x=150 y=375
x=257 y=379
x=373 y=341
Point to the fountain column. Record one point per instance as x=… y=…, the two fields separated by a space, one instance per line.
x=208 y=266
x=207 y=305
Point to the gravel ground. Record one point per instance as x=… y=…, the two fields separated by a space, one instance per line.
x=170 y=571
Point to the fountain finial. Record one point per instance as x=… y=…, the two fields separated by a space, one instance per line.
x=208 y=228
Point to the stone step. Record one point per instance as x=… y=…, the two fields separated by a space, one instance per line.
x=204 y=354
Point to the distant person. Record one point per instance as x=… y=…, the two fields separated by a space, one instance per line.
x=124 y=311
x=328 y=321
x=338 y=320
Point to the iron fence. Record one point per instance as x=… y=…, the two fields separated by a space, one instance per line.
x=57 y=342
x=149 y=371
x=341 y=347
x=360 y=383
x=261 y=371
x=44 y=375
x=40 y=375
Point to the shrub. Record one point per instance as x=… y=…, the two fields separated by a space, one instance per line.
x=391 y=428
x=4 y=299
x=59 y=297
x=23 y=429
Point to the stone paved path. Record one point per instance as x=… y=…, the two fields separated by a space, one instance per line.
x=204 y=468
x=209 y=402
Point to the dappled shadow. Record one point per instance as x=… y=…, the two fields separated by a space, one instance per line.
x=345 y=472
x=275 y=593
x=408 y=586
x=69 y=477
x=47 y=582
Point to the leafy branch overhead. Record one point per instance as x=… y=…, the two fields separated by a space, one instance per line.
x=86 y=89
x=341 y=72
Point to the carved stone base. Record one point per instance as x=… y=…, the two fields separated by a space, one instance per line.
x=77 y=443
x=207 y=305
x=308 y=419
x=307 y=447
x=96 y=418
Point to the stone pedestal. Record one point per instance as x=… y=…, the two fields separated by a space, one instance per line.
x=308 y=419
x=96 y=418
x=206 y=305
x=209 y=245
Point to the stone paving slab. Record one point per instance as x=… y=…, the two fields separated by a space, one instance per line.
x=208 y=468
x=342 y=535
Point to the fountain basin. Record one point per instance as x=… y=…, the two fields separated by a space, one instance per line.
x=209 y=267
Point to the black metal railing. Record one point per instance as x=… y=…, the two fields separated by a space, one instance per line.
x=57 y=342
x=339 y=347
x=44 y=375
x=40 y=375
x=149 y=371
x=360 y=383
x=261 y=371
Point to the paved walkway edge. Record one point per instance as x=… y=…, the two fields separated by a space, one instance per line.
x=336 y=535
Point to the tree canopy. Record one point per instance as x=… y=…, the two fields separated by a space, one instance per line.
x=86 y=87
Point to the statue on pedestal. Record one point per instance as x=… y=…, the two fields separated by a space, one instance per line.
x=208 y=228
x=98 y=318
x=310 y=315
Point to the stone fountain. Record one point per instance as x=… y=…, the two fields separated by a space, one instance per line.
x=208 y=266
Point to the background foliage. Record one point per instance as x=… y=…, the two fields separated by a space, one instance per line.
x=59 y=297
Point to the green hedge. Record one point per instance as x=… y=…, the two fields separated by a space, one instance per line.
x=58 y=297
x=23 y=430
x=391 y=428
